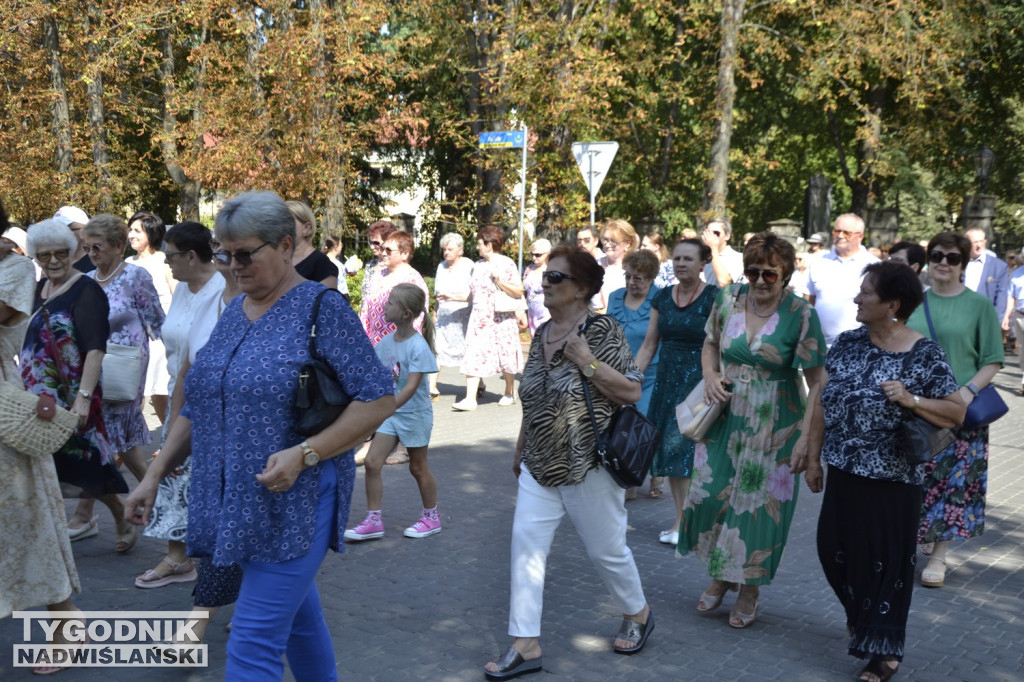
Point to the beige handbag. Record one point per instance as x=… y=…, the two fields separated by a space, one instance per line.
x=122 y=372
x=30 y=424
x=695 y=417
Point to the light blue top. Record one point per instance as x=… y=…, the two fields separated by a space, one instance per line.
x=403 y=357
x=634 y=322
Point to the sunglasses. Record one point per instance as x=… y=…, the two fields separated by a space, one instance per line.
x=846 y=234
x=555 y=277
x=391 y=251
x=243 y=258
x=93 y=248
x=168 y=254
x=953 y=258
x=375 y=243
x=538 y=255
x=768 y=276
x=46 y=256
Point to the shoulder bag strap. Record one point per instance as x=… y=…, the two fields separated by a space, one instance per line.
x=602 y=446
x=312 y=327
x=928 y=316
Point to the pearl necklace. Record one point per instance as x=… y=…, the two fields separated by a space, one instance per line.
x=103 y=280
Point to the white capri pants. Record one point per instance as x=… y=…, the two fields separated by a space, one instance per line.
x=597 y=508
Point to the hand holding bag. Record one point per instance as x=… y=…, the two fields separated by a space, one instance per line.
x=919 y=439
x=987 y=406
x=626 y=449
x=695 y=416
x=319 y=398
x=30 y=424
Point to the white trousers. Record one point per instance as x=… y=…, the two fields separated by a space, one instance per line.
x=597 y=508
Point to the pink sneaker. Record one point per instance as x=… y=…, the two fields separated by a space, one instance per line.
x=369 y=529
x=423 y=528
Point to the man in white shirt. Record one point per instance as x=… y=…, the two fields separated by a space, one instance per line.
x=833 y=280
x=985 y=272
x=726 y=264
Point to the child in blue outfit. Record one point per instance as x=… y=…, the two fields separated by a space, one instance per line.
x=409 y=356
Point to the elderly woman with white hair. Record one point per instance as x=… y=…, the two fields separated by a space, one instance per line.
x=533 y=285
x=263 y=495
x=451 y=289
x=64 y=345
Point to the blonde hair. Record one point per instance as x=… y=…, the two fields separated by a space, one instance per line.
x=304 y=214
x=411 y=298
x=624 y=232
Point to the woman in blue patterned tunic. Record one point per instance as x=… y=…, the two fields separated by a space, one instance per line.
x=676 y=331
x=260 y=495
x=867 y=528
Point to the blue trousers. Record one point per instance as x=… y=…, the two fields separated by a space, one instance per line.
x=278 y=610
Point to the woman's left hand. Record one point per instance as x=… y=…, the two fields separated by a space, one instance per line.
x=282 y=469
x=896 y=392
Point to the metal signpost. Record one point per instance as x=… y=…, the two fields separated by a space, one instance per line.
x=594 y=160
x=512 y=139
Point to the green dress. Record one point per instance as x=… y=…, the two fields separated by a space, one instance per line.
x=742 y=495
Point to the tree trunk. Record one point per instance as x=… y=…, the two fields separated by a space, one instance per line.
x=718 y=189
x=97 y=116
x=60 y=116
x=188 y=189
x=251 y=29
x=865 y=184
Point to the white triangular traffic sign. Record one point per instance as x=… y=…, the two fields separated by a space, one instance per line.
x=594 y=160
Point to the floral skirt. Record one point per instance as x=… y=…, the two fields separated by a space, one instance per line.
x=955 y=484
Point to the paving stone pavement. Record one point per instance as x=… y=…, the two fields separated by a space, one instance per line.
x=436 y=609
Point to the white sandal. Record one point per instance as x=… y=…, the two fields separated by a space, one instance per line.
x=932 y=576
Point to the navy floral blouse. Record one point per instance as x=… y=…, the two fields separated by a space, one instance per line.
x=239 y=398
x=860 y=422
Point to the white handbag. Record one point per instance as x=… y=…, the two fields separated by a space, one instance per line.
x=122 y=373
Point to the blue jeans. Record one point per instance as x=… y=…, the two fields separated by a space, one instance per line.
x=278 y=610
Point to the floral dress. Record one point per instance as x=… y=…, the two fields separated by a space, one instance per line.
x=68 y=326
x=682 y=339
x=135 y=317
x=742 y=495
x=492 y=340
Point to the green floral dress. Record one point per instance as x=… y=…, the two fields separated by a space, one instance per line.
x=742 y=495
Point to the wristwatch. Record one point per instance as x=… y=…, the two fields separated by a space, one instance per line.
x=917 y=401
x=310 y=457
x=972 y=387
x=588 y=370
x=85 y=394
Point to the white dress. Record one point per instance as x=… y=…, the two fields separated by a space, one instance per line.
x=157 y=374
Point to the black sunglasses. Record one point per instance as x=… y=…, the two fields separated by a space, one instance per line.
x=555 y=277
x=243 y=258
x=953 y=258
x=769 y=276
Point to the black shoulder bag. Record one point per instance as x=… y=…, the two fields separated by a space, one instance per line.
x=319 y=398
x=919 y=438
x=627 y=447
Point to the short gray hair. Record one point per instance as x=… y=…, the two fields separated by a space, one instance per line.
x=541 y=244
x=263 y=215
x=50 y=233
x=453 y=238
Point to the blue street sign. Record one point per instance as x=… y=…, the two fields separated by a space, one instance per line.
x=506 y=139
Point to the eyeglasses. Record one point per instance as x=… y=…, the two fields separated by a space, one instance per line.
x=243 y=258
x=60 y=254
x=555 y=277
x=610 y=243
x=846 y=234
x=168 y=254
x=953 y=258
x=538 y=255
x=391 y=251
x=767 y=276
x=634 y=278
x=93 y=248
x=375 y=243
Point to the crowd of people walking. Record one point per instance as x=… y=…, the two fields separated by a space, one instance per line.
x=818 y=360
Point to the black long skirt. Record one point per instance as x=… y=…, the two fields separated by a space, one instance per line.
x=867 y=545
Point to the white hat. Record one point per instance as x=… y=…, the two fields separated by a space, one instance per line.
x=18 y=236
x=71 y=214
